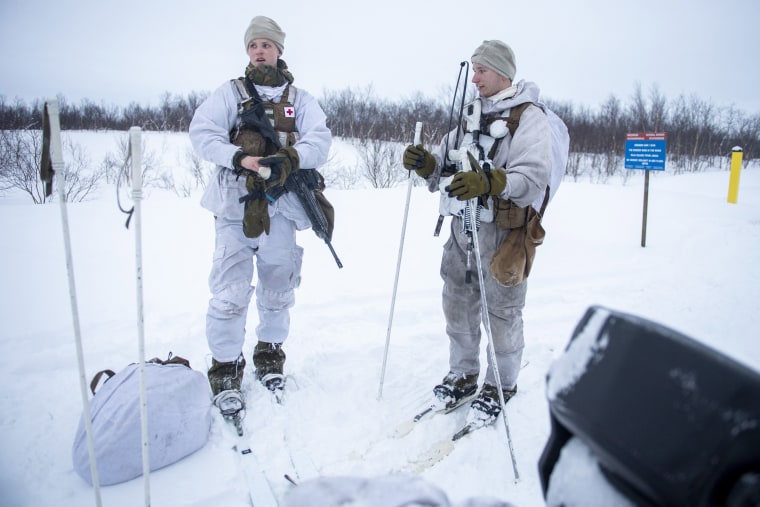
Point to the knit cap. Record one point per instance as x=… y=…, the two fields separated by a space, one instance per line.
x=497 y=56
x=262 y=27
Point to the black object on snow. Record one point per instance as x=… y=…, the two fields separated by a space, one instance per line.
x=670 y=420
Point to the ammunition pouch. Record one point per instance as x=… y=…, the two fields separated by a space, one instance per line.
x=507 y=215
x=513 y=260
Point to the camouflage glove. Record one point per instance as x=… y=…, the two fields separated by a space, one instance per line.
x=282 y=163
x=256 y=214
x=416 y=158
x=236 y=159
x=471 y=184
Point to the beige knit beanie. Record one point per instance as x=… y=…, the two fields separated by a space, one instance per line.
x=497 y=56
x=262 y=27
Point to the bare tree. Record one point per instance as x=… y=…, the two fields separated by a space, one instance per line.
x=380 y=162
x=658 y=109
x=639 y=113
x=20 y=154
x=80 y=181
x=611 y=117
x=199 y=169
x=115 y=163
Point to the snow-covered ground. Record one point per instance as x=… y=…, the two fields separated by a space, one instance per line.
x=697 y=274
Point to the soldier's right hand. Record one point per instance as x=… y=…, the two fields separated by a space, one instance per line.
x=417 y=159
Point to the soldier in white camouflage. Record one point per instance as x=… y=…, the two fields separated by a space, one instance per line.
x=520 y=163
x=250 y=228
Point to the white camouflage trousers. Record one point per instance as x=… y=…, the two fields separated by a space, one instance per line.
x=278 y=265
x=462 y=305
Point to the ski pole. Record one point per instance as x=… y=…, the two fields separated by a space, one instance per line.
x=417 y=140
x=51 y=120
x=487 y=324
x=135 y=148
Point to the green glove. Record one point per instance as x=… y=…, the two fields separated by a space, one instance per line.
x=282 y=163
x=416 y=158
x=256 y=211
x=471 y=184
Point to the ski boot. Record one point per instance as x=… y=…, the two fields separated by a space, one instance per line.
x=225 y=380
x=486 y=407
x=269 y=359
x=455 y=389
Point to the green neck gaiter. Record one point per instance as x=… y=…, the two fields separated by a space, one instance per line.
x=266 y=75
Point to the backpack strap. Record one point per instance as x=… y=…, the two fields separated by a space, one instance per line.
x=513 y=120
x=171 y=359
x=96 y=379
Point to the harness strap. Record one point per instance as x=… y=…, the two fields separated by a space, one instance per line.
x=253 y=194
x=513 y=120
x=248 y=98
x=243 y=95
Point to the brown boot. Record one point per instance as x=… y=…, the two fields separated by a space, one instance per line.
x=226 y=376
x=268 y=358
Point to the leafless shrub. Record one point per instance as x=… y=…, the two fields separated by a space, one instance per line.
x=20 y=154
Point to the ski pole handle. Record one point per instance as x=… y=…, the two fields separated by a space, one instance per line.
x=135 y=150
x=418 y=133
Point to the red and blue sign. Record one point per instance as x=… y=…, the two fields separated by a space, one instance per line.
x=645 y=151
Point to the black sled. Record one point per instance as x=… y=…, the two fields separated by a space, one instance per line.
x=670 y=421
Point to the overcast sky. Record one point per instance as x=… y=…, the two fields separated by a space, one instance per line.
x=581 y=51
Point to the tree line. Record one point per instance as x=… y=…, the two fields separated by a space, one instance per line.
x=700 y=134
x=697 y=129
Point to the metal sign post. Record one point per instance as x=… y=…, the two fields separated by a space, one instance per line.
x=645 y=151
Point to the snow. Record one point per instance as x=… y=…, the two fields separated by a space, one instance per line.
x=697 y=274
x=579 y=480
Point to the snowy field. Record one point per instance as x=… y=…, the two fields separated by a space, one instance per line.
x=697 y=274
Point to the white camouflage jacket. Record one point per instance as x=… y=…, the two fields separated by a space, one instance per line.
x=526 y=158
x=210 y=131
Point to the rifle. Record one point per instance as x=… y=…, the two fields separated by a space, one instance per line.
x=302 y=182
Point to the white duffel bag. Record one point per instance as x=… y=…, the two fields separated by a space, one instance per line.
x=179 y=419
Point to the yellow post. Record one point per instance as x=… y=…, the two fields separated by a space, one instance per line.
x=736 y=168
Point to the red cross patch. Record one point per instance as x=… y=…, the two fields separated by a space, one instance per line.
x=290 y=112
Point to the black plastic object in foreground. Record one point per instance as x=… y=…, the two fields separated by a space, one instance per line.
x=671 y=421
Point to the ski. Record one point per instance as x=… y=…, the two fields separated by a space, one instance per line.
x=235 y=420
x=430 y=410
x=468 y=428
x=275 y=384
x=303 y=467
x=232 y=407
x=432 y=456
x=444 y=447
x=259 y=490
x=434 y=408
